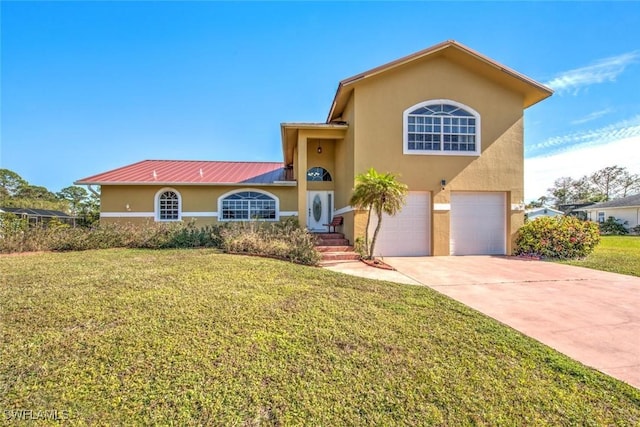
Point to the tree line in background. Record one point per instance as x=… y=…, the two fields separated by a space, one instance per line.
x=606 y=184
x=16 y=192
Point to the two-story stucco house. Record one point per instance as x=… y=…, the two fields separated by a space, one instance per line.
x=447 y=120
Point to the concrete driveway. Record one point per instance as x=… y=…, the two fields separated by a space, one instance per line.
x=589 y=315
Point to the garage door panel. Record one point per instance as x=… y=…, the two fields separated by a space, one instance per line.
x=408 y=232
x=478 y=223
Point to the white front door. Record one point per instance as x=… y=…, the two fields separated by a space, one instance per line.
x=319 y=209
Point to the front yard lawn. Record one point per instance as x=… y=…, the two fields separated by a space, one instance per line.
x=618 y=254
x=193 y=337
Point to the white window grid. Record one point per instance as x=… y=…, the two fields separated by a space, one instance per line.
x=318 y=174
x=440 y=128
x=441 y=133
x=248 y=205
x=169 y=206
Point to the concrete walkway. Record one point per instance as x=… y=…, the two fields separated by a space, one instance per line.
x=589 y=315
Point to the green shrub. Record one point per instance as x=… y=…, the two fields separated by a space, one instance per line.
x=283 y=240
x=360 y=247
x=563 y=237
x=613 y=227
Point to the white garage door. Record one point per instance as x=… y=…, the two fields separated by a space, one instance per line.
x=478 y=223
x=407 y=232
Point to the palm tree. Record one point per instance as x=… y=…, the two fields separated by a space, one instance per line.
x=380 y=193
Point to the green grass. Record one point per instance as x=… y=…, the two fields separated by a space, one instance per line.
x=193 y=337
x=618 y=254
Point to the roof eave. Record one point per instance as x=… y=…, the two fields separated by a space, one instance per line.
x=293 y=125
x=595 y=207
x=213 y=184
x=288 y=146
x=538 y=89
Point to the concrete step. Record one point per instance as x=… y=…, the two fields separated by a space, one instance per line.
x=329 y=236
x=332 y=242
x=340 y=256
x=334 y=248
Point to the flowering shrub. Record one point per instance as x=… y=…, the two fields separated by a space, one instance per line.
x=558 y=237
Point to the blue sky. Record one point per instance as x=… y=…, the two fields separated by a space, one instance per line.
x=90 y=86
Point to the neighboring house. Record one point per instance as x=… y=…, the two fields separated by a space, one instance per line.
x=626 y=210
x=40 y=216
x=447 y=120
x=542 y=211
x=575 y=209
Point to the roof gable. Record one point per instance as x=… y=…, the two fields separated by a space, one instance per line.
x=543 y=210
x=163 y=172
x=531 y=90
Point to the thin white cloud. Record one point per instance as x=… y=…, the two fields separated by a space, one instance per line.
x=541 y=172
x=592 y=116
x=619 y=130
x=604 y=70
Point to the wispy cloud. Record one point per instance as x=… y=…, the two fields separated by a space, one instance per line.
x=592 y=116
x=604 y=70
x=540 y=172
x=619 y=130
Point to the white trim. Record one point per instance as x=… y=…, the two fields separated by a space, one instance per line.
x=289 y=213
x=127 y=214
x=442 y=206
x=405 y=130
x=200 y=214
x=344 y=210
x=241 y=190
x=156 y=204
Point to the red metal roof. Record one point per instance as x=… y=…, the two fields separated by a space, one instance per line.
x=190 y=172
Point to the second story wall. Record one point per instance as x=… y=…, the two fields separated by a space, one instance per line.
x=344 y=159
x=378 y=128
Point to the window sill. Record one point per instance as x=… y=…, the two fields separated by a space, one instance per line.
x=440 y=153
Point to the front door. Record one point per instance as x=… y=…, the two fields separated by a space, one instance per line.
x=319 y=209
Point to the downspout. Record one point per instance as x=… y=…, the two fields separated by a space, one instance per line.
x=94 y=192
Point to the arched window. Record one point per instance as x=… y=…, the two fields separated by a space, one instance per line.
x=318 y=174
x=441 y=126
x=168 y=205
x=248 y=206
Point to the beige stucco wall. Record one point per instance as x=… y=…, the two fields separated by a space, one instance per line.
x=345 y=174
x=141 y=198
x=326 y=160
x=378 y=128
